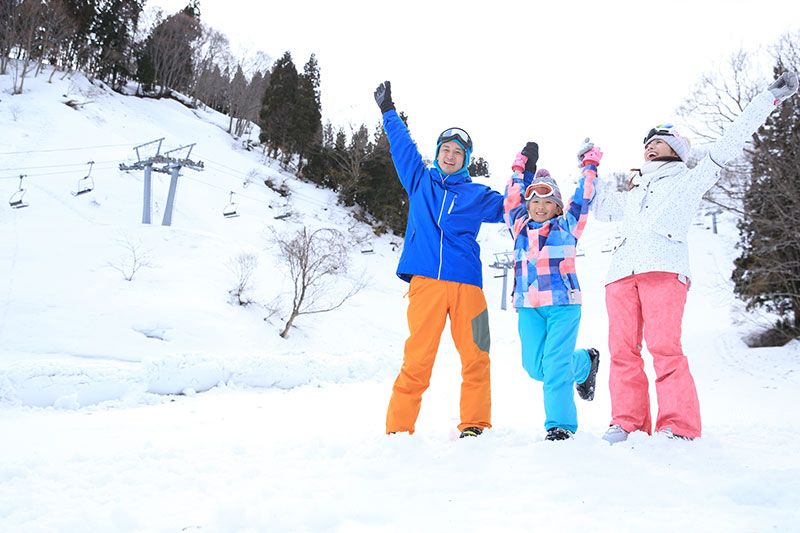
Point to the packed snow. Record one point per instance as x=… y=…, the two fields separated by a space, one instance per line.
x=158 y=405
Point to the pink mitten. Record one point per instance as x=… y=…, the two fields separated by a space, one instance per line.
x=519 y=163
x=593 y=156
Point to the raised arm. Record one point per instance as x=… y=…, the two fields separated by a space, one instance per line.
x=407 y=160
x=577 y=212
x=740 y=131
x=524 y=168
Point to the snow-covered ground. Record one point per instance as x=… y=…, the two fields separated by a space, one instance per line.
x=155 y=405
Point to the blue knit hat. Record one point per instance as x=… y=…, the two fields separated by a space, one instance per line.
x=459 y=136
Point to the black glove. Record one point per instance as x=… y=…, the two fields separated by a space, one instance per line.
x=531 y=151
x=383 y=96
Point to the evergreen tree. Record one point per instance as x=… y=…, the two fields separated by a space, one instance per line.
x=307 y=123
x=236 y=98
x=79 y=48
x=382 y=195
x=478 y=168
x=113 y=31
x=277 y=109
x=145 y=70
x=767 y=273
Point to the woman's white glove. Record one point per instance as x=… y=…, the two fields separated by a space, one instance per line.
x=784 y=87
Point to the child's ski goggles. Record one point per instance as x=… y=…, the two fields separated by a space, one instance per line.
x=455 y=134
x=661 y=129
x=540 y=190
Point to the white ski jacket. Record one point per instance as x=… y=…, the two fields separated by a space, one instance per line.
x=657 y=212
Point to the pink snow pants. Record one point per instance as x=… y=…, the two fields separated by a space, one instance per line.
x=650 y=305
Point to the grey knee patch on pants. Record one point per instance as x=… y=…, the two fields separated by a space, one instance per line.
x=480 y=331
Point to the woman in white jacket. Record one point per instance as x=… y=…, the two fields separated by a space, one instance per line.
x=649 y=274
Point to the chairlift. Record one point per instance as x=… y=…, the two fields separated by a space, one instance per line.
x=230 y=210
x=85 y=184
x=16 y=201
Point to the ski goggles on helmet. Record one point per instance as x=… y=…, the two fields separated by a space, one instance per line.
x=455 y=134
x=661 y=129
x=540 y=190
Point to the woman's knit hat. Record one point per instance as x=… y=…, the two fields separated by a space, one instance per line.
x=668 y=134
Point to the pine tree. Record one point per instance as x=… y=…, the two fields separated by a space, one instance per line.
x=237 y=94
x=384 y=196
x=478 y=168
x=79 y=48
x=307 y=116
x=277 y=108
x=767 y=273
x=113 y=32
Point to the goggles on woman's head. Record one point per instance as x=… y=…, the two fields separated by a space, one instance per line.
x=661 y=129
x=456 y=134
x=540 y=190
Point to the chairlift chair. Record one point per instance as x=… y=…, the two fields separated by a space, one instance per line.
x=230 y=210
x=16 y=200
x=85 y=184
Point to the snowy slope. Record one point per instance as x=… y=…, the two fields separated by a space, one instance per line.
x=103 y=428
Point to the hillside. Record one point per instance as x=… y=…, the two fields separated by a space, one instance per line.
x=64 y=301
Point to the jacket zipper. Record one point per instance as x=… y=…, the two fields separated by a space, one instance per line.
x=441 y=234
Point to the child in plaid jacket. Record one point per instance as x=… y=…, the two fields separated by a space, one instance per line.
x=546 y=291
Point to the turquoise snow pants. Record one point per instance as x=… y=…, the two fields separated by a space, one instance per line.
x=548 y=335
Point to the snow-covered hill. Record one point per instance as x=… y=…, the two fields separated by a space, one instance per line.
x=64 y=303
x=102 y=429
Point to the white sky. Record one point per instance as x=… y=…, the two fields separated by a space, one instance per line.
x=513 y=72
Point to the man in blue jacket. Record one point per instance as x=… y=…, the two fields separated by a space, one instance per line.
x=441 y=260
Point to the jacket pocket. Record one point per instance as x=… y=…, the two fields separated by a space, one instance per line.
x=671 y=233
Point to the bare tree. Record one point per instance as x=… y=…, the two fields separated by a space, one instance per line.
x=26 y=23
x=210 y=51
x=315 y=260
x=7 y=34
x=171 y=52
x=60 y=27
x=134 y=258
x=243 y=267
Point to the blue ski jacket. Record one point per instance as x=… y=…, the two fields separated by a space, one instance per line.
x=444 y=216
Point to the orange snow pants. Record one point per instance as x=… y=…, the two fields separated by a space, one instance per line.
x=430 y=302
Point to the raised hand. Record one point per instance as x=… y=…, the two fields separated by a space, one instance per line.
x=519 y=163
x=585 y=147
x=592 y=157
x=531 y=151
x=383 y=96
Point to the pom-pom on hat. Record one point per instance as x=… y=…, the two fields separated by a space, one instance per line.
x=543 y=186
x=668 y=134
